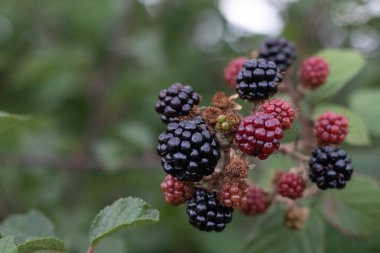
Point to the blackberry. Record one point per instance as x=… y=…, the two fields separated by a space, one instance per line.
x=290 y=185
x=278 y=50
x=331 y=128
x=330 y=167
x=259 y=135
x=233 y=192
x=232 y=70
x=188 y=150
x=176 y=101
x=257 y=202
x=258 y=79
x=314 y=72
x=176 y=192
x=281 y=110
x=206 y=213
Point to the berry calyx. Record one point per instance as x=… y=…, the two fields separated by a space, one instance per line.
x=330 y=168
x=278 y=50
x=188 y=150
x=296 y=217
x=176 y=101
x=258 y=80
x=281 y=110
x=259 y=135
x=314 y=72
x=232 y=70
x=206 y=212
x=331 y=128
x=257 y=202
x=237 y=168
x=290 y=185
x=233 y=193
x=176 y=192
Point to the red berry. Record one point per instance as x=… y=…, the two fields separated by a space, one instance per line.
x=257 y=202
x=281 y=110
x=232 y=70
x=176 y=192
x=331 y=128
x=290 y=185
x=233 y=193
x=314 y=71
x=259 y=135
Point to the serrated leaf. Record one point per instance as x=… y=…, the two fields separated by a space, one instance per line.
x=271 y=236
x=23 y=226
x=344 y=64
x=366 y=103
x=41 y=243
x=8 y=120
x=7 y=245
x=359 y=134
x=124 y=213
x=355 y=211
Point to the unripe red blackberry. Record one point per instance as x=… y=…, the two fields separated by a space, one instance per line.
x=258 y=80
x=233 y=193
x=232 y=70
x=278 y=50
x=206 y=212
x=259 y=135
x=290 y=185
x=188 y=150
x=314 y=72
x=281 y=110
x=331 y=128
x=176 y=192
x=330 y=168
x=257 y=202
x=176 y=101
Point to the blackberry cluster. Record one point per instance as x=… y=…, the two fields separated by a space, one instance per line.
x=290 y=185
x=206 y=213
x=281 y=110
x=176 y=192
x=176 y=101
x=330 y=168
x=257 y=202
x=259 y=135
x=188 y=150
x=314 y=72
x=278 y=50
x=232 y=70
x=258 y=79
x=331 y=128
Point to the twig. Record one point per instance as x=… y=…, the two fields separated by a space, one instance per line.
x=290 y=150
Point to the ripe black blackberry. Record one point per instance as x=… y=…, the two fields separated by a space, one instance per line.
x=176 y=101
x=278 y=50
x=330 y=167
x=258 y=79
x=188 y=150
x=206 y=213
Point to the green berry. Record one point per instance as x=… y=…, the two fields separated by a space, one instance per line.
x=226 y=126
x=221 y=118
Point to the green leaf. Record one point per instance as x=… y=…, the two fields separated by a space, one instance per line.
x=8 y=120
x=366 y=103
x=271 y=236
x=355 y=211
x=7 y=245
x=42 y=243
x=32 y=232
x=124 y=213
x=344 y=64
x=359 y=134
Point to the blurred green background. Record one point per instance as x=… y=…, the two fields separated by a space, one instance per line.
x=88 y=72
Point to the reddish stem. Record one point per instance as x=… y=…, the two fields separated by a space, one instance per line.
x=91 y=250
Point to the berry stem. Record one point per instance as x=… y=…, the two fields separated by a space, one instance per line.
x=289 y=149
x=91 y=249
x=310 y=191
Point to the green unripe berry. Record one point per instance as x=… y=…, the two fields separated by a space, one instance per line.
x=221 y=119
x=226 y=126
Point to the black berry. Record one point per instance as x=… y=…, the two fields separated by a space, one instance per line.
x=206 y=213
x=258 y=79
x=278 y=50
x=188 y=150
x=330 y=167
x=176 y=101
